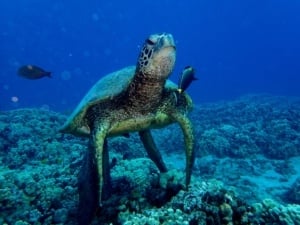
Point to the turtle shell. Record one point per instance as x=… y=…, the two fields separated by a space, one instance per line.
x=105 y=89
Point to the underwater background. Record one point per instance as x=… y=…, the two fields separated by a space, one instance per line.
x=237 y=47
x=246 y=117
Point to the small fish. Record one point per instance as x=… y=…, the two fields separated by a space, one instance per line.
x=186 y=78
x=33 y=72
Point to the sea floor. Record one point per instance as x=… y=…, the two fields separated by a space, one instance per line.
x=253 y=179
x=246 y=169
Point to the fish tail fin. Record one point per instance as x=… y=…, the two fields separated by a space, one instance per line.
x=48 y=74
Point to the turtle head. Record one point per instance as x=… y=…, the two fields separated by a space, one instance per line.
x=157 y=57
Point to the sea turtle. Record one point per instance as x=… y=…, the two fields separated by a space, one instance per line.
x=133 y=99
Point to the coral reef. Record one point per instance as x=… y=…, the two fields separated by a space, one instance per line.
x=37 y=182
x=293 y=194
x=246 y=171
x=249 y=125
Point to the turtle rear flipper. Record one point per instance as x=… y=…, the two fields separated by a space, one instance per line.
x=88 y=188
x=152 y=150
x=94 y=177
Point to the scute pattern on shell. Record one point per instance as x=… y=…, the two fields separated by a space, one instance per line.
x=106 y=89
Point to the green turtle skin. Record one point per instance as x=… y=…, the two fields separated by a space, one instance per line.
x=134 y=99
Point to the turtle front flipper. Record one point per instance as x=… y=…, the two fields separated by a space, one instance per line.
x=99 y=143
x=188 y=134
x=94 y=176
x=152 y=150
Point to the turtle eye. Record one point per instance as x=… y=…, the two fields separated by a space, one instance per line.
x=150 y=42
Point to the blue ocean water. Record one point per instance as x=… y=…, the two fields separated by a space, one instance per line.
x=237 y=47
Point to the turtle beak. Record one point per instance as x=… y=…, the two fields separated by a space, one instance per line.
x=165 y=41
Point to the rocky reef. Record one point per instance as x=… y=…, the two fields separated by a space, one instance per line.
x=246 y=171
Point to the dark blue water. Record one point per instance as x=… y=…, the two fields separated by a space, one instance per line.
x=238 y=47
